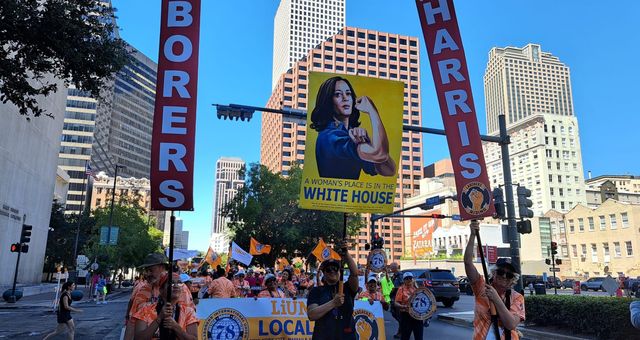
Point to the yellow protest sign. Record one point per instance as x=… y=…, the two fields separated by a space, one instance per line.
x=354 y=136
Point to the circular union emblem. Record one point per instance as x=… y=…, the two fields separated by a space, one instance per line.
x=422 y=304
x=475 y=198
x=326 y=252
x=366 y=326
x=225 y=323
x=377 y=260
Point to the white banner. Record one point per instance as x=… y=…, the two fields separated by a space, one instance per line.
x=240 y=254
x=181 y=254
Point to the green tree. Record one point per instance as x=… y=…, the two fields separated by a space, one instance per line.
x=137 y=236
x=60 y=240
x=266 y=208
x=72 y=40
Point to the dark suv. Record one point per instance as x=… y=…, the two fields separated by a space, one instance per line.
x=442 y=283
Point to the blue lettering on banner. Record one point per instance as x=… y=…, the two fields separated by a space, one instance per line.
x=288 y=327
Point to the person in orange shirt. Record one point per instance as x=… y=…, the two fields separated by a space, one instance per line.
x=408 y=324
x=149 y=309
x=271 y=290
x=508 y=303
x=222 y=287
x=286 y=284
x=372 y=293
x=242 y=286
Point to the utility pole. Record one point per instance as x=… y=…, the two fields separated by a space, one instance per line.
x=512 y=229
x=113 y=200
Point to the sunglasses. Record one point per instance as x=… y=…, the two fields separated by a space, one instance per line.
x=504 y=273
x=330 y=270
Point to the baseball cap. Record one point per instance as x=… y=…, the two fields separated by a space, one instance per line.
x=505 y=262
x=372 y=278
x=240 y=272
x=407 y=274
x=185 y=278
x=329 y=262
x=268 y=277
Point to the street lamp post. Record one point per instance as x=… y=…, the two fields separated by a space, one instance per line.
x=113 y=199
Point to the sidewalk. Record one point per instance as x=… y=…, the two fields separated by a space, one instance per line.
x=46 y=299
x=465 y=319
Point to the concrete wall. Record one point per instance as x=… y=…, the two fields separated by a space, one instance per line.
x=28 y=163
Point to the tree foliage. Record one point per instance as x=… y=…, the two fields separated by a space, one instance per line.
x=73 y=40
x=266 y=208
x=62 y=237
x=137 y=236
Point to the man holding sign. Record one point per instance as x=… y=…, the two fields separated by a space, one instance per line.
x=331 y=309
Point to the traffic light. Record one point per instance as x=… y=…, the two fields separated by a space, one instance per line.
x=25 y=236
x=524 y=203
x=524 y=227
x=15 y=247
x=232 y=113
x=558 y=262
x=498 y=203
x=554 y=248
x=547 y=261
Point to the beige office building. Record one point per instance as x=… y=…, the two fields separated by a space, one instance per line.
x=623 y=188
x=352 y=51
x=134 y=189
x=604 y=240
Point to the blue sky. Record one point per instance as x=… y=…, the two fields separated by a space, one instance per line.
x=598 y=41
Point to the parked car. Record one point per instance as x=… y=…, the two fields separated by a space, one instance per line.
x=464 y=285
x=594 y=283
x=442 y=283
x=550 y=283
x=526 y=279
x=568 y=283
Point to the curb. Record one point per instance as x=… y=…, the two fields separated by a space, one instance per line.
x=47 y=304
x=527 y=333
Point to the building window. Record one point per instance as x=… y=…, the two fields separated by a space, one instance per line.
x=98 y=202
x=574 y=250
x=581 y=224
x=605 y=249
x=584 y=250
x=612 y=219
x=625 y=220
x=571 y=226
x=616 y=248
x=629 y=248
x=603 y=223
x=594 y=253
x=591 y=224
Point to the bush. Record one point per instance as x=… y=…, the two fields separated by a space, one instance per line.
x=604 y=317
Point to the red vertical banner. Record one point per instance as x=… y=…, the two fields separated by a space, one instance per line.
x=174 y=120
x=451 y=77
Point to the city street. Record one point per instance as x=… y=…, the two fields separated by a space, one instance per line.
x=30 y=319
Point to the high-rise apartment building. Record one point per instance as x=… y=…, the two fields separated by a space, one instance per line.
x=180 y=236
x=300 y=25
x=521 y=82
x=125 y=120
x=352 y=51
x=533 y=90
x=228 y=182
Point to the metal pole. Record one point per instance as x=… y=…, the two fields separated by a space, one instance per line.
x=113 y=200
x=12 y=298
x=511 y=210
x=172 y=222
x=75 y=246
x=553 y=266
